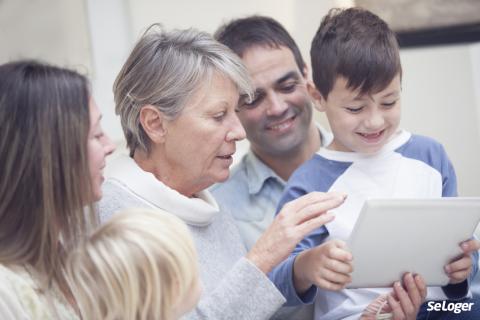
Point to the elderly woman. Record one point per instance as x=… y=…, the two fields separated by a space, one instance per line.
x=176 y=96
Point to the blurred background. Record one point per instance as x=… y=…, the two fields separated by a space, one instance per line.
x=441 y=82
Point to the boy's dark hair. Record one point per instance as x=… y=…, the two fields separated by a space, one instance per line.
x=356 y=44
x=242 y=34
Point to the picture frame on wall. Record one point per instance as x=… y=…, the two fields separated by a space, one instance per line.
x=429 y=22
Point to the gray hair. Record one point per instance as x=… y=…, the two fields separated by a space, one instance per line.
x=164 y=70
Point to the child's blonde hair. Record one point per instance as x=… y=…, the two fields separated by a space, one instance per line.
x=139 y=265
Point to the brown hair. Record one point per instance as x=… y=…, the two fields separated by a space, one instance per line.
x=245 y=33
x=44 y=116
x=356 y=44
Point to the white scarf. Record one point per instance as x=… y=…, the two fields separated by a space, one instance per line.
x=198 y=211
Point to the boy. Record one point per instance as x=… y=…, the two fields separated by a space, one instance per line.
x=357 y=74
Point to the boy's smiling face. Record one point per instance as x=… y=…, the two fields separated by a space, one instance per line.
x=361 y=123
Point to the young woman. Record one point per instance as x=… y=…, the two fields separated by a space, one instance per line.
x=52 y=154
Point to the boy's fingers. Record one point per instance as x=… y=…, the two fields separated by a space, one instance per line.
x=470 y=246
x=404 y=298
x=396 y=308
x=422 y=287
x=459 y=270
x=338 y=266
x=339 y=243
x=459 y=276
x=331 y=286
x=335 y=277
x=412 y=289
x=460 y=265
x=340 y=254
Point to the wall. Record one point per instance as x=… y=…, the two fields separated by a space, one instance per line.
x=441 y=99
x=54 y=31
x=111 y=39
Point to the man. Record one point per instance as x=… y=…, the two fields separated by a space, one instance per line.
x=279 y=122
x=279 y=126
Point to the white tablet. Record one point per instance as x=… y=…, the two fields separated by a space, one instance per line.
x=395 y=236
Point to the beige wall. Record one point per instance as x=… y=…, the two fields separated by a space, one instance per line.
x=55 y=31
x=300 y=17
x=440 y=99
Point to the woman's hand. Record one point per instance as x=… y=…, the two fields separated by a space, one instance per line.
x=296 y=219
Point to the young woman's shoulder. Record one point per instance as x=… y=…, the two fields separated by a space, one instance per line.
x=20 y=297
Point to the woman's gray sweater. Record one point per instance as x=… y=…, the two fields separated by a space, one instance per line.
x=233 y=288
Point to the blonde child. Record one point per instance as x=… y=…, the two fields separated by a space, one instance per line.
x=141 y=264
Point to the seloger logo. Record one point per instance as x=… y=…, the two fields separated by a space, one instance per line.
x=456 y=307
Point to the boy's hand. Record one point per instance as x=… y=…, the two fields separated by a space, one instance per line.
x=406 y=300
x=327 y=266
x=403 y=302
x=459 y=269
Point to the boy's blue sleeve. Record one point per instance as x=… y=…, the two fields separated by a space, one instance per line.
x=290 y=193
x=449 y=178
x=317 y=174
x=282 y=275
x=449 y=189
x=474 y=265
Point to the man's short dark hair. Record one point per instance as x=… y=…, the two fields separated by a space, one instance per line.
x=242 y=34
x=357 y=45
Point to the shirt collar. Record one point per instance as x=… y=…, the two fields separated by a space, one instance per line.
x=198 y=211
x=258 y=172
x=397 y=141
